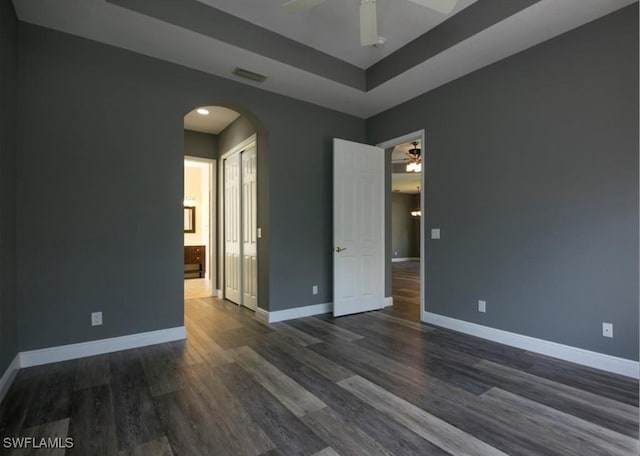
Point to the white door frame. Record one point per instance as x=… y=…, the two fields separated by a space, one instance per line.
x=244 y=144
x=212 y=218
x=418 y=135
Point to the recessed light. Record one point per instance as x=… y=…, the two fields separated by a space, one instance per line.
x=203 y=112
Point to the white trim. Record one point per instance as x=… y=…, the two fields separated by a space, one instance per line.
x=601 y=361
x=217 y=293
x=9 y=375
x=99 y=347
x=400 y=260
x=246 y=143
x=211 y=253
x=418 y=134
x=242 y=145
x=388 y=301
x=261 y=315
x=296 y=312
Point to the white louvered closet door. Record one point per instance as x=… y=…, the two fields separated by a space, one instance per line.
x=249 y=230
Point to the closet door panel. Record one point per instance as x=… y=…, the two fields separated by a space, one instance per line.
x=232 y=226
x=249 y=228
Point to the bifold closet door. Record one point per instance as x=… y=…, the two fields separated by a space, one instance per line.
x=249 y=230
x=232 y=244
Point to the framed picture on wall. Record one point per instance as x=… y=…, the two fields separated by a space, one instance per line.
x=189 y=219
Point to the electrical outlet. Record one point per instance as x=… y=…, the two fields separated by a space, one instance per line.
x=482 y=306
x=96 y=318
x=435 y=233
x=607 y=329
x=259 y=233
x=395 y=254
x=314 y=289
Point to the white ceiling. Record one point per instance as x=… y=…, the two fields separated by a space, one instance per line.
x=333 y=26
x=406 y=183
x=217 y=120
x=110 y=24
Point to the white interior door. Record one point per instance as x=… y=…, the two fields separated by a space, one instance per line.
x=249 y=230
x=358 y=203
x=232 y=244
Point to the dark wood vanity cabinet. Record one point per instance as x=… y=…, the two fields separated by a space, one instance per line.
x=194 y=261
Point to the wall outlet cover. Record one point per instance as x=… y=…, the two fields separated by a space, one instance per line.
x=314 y=289
x=482 y=306
x=607 y=329
x=435 y=233
x=96 y=318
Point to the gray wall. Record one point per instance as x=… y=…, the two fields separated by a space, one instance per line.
x=236 y=132
x=532 y=176
x=202 y=145
x=101 y=173
x=8 y=83
x=404 y=227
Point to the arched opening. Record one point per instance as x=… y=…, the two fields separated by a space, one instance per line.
x=222 y=146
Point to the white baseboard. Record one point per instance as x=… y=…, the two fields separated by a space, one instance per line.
x=398 y=260
x=626 y=367
x=218 y=293
x=300 y=312
x=261 y=315
x=9 y=375
x=290 y=314
x=99 y=347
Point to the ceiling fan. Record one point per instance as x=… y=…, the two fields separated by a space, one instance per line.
x=368 y=18
x=415 y=159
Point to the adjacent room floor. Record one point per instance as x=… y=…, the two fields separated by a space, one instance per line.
x=370 y=384
x=405 y=285
x=197 y=288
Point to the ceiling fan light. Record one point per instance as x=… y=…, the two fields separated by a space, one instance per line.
x=411 y=167
x=418 y=168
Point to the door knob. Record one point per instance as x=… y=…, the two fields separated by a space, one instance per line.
x=340 y=249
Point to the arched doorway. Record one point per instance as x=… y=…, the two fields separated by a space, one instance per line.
x=226 y=140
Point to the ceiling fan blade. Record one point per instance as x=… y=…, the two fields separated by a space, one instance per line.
x=368 y=23
x=441 y=6
x=293 y=6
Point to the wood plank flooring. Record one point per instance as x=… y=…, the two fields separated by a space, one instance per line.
x=405 y=284
x=370 y=384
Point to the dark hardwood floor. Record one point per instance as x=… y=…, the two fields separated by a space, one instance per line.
x=379 y=383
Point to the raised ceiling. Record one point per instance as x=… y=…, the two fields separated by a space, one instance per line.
x=301 y=54
x=217 y=120
x=332 y=27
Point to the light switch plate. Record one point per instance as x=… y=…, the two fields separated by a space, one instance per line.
x=259 y=233
x=435 y=233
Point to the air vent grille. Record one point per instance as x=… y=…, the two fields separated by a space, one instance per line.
x=249 y=75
